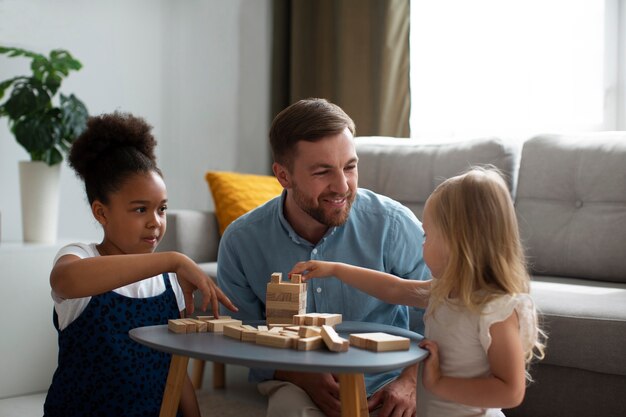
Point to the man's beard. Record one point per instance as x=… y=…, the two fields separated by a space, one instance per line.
x=335 y=218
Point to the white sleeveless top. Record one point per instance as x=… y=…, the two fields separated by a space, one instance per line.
x=463 y=339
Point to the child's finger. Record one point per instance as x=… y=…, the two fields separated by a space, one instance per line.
x=299 y=268
x=225 y=300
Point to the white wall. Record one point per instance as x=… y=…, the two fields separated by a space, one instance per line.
x=197 y=70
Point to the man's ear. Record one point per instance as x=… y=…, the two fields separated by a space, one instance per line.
x=282 y=174
x=99 y=212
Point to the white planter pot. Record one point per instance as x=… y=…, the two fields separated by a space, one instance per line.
x=39 y=190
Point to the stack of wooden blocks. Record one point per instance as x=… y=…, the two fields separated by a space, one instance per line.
x=284 y=299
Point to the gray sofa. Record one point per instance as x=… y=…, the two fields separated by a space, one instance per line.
x=570 y=198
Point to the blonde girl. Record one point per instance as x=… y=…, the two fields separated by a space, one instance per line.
x=481 y=323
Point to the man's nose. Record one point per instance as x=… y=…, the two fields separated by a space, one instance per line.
x=339 y=183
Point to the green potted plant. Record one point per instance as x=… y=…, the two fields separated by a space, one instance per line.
x=46 y=128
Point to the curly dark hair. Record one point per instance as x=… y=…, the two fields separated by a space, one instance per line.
x=113 y=147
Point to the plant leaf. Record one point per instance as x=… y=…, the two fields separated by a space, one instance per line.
x=28 y=96
x=74 y=117
x=35 y=132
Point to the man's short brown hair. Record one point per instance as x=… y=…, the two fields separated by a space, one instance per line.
x=310 y=120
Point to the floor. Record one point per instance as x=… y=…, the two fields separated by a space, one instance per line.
x=240 y=398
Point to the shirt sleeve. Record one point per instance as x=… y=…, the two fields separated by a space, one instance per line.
x=404 y=258
x=178 y=291
x=500 y=309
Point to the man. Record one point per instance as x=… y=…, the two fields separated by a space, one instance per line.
x=322 y=215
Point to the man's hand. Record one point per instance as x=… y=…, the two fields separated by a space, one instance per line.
x=322 y=388
x=397 y=397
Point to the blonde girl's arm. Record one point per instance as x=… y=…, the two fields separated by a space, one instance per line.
x=386 y=287
x=73 y=277
x=505 y=387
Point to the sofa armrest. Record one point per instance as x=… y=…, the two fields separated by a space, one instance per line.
x=192 y=232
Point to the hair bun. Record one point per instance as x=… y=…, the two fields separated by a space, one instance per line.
x=107 y=133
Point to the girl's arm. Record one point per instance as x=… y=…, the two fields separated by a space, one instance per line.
x=505 y=387
x=73 y=277
x=387 y=287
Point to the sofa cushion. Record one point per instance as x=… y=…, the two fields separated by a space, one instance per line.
x=235 y=194
x=571 y=205
x=585 y=322
x=408 y=170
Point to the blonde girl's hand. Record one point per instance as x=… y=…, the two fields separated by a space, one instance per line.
x=314 y=269
x=431 y=372
x=190 y=278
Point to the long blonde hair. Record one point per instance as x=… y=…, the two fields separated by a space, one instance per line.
x=475 y=215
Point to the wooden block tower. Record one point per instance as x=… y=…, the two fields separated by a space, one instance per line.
x=284 y=299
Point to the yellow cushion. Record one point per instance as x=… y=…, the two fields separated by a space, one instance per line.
x=236 y=194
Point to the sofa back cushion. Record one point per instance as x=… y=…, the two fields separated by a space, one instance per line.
x=408 y=170
x=571 y=205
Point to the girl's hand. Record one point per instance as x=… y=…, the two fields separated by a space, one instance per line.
x=190 y=278
x=431 y=373
x=314 y=269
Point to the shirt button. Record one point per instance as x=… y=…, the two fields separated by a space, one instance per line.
x=319 y=290
x=314 y=251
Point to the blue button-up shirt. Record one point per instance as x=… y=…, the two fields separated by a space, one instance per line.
x=379 y=234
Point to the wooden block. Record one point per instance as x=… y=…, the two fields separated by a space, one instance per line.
x=276 y=329
x=217 y=325
x=299 y=319
x=276 y=277
x=296 y=278
x=207 y=318
x=248 y=333
x=333 y=341
x=310 y=343
x=330 y=319
x=287 y=305
x=201 y=326
x=263 y=328
x=312 y=319
x=176 y=326
x=309 y=331
x=285 y=287
x=233 y=330
x=191 y=325
x=273 y=340
x=380 y=342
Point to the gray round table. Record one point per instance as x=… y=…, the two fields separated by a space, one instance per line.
x=350 y=365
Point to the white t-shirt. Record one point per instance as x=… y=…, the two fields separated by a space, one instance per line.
x=463 y=338
x=69 y=310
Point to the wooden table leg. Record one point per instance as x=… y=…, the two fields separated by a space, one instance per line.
x=353 y=396
x=219 y=375
x=174 y=385
x=197 y=373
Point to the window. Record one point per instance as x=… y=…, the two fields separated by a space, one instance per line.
x=501 y=67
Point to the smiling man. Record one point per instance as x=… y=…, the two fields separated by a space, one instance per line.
x=323 y=215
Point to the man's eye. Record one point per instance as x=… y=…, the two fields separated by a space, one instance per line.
x=163 y=209
x=140 y=209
